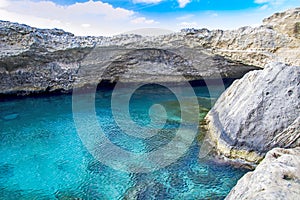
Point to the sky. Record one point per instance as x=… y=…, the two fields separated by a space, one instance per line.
x=112 y=17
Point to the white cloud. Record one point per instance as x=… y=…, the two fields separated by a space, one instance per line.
x=85 y=25
x=183 y=3
x=98 y=18
x=142 y=20
x=3 y=3
x=188 y=24
x=147 y=1
x=98 y=7
x=77 y=18
x=264 y=7
x=272 y=2
x=185 y=17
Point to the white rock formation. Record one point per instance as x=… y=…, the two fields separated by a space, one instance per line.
x=257 y=113
x=276 y=177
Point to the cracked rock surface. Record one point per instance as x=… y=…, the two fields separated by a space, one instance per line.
x=276 y=177
x=257 y=113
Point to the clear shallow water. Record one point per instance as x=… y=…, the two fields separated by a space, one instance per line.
x=42 y=157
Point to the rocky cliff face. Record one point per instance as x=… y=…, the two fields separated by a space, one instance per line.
x=277 y=40
x=34 y=60
x=286 y=22
x=261 y=111
x=276 y=177
x=257 y=113
x=38 y=60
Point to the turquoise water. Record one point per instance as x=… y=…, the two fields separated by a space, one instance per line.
x=42 y=156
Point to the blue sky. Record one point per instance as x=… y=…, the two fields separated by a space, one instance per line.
x=110 y=17
x=173 y=6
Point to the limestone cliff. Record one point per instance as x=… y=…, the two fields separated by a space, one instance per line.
x=276 y=177
x=276 y=41
x=257 y=113
x=39 y=60
x=286 y=22
x=260 y=112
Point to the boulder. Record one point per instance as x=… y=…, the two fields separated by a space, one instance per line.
x=257 y=113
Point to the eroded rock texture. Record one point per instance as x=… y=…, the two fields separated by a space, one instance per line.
x=39 y=60
x=257 y=113
x=276 y=177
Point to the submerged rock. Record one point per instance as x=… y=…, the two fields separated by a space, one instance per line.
x=276 y=177
x=147 y=190
x=6 y=171
x=257 y=113
x=11 y=116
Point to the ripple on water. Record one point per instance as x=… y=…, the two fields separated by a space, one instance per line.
x=6 y=172
x=42 y=156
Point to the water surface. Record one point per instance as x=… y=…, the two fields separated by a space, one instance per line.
x=42 y=156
